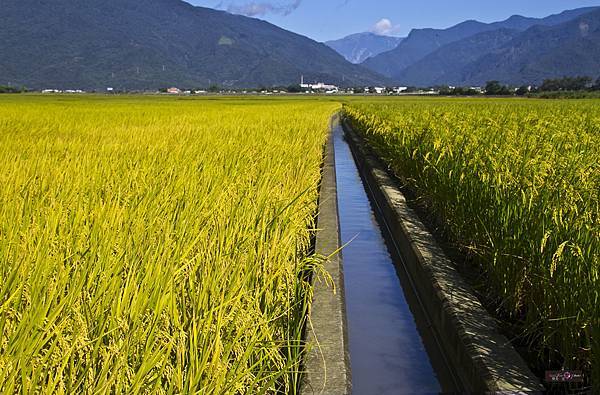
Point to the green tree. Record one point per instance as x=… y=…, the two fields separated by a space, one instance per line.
x=566 y=84
x=495 y=88
x=522 y=91
x=596 y=86
x=296 y=88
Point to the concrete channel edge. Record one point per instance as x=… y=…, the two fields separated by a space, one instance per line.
x=327 y=363
x=484 y=359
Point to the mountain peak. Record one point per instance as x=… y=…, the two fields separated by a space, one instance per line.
x=360 y=46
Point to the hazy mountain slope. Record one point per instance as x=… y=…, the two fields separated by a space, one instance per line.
x=360 y=46
x=422 y=42
x=139 y=44
x=445 y=65
x=569 y=49
x=418 y=44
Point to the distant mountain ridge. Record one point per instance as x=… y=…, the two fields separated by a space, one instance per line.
x=568 y=49
x=445 y=65
x=418 y=44
x=147 y=44
x=407 y=63
x=356 y=48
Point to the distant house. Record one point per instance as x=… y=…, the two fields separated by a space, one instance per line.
x=174 y=91
x=379 y=90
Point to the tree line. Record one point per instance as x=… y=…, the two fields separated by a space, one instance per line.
x=11 y=89
x=553 y=85
x=564 y=84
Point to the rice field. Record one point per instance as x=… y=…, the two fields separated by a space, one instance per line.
x=516 y=184
x=156 y=245
x=163 y=245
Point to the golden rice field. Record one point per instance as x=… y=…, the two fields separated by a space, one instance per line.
x=156 y=245
x=517 y=184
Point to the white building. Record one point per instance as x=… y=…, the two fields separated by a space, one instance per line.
x=319 y=86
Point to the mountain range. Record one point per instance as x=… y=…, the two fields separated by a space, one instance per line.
x=148 y=44
x=541 y=52
x=516 y=50
x=357 y=48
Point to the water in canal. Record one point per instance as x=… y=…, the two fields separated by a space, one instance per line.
x=387 y=352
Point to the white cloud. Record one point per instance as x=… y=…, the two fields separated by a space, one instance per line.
x=385 y=27
x=260 y=8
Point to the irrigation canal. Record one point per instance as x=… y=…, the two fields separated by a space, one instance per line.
x=392 y=348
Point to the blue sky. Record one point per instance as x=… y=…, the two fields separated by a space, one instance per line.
x=330 y=19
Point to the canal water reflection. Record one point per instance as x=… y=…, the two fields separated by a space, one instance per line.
x=387 y=353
